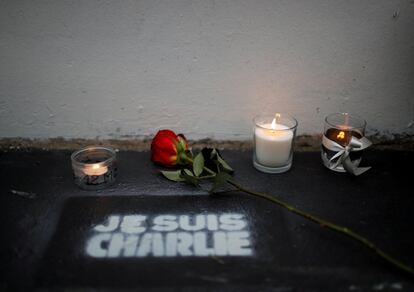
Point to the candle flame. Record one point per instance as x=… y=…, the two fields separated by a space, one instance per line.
x=275 y=121
x=341 y=135
x=273 y=124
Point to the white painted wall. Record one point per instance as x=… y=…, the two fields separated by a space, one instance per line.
x=117 y=68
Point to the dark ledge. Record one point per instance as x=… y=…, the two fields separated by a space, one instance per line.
x=303 y=143
x=49 y=226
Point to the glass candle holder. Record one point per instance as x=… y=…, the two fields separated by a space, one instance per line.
x=340 y=128
x=94 y=167
x=273 y=141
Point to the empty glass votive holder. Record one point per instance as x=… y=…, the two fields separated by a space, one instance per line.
x=94 y=167
x=340 y=128
x=273 y=141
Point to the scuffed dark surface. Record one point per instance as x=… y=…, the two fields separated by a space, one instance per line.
x=39 y=237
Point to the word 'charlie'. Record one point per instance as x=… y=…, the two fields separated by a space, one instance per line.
x=171 y=236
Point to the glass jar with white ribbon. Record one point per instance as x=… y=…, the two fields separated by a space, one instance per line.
x=343 y=142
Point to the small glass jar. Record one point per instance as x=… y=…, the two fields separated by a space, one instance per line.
x=94 y=167
x=273 y=139
x=340 y=128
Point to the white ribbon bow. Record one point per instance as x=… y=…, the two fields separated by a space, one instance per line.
x=342 y=155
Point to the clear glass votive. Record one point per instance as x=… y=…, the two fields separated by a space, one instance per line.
x=340 y=128
x=273 y=139
x=94 y=167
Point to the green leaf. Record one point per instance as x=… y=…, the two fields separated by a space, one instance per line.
x=213 y=153
x=220 y=180
x=224 y=164
x=189 y=177
x=174 y=175
x=187 y=172
x=198 y=164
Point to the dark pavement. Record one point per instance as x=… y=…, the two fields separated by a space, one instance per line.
x=150 y=233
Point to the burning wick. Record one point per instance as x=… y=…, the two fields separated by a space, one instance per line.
x=341 y=135
x=95 y=169
x=275 y=121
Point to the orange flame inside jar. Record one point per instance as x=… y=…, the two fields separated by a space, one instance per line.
x=341 y=135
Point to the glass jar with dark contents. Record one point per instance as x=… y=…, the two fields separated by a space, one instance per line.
x=340 y=128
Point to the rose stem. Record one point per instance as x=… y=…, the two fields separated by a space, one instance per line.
x=323 y=223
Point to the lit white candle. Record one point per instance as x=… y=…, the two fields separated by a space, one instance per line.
x=95 y=169
x=273 y=144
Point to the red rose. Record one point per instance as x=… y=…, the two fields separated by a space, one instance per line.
x=169 y=149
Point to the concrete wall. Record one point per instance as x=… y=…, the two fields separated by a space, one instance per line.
x=203 y=67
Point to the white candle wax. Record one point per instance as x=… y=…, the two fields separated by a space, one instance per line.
x=273 y=144
x=95 y=169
